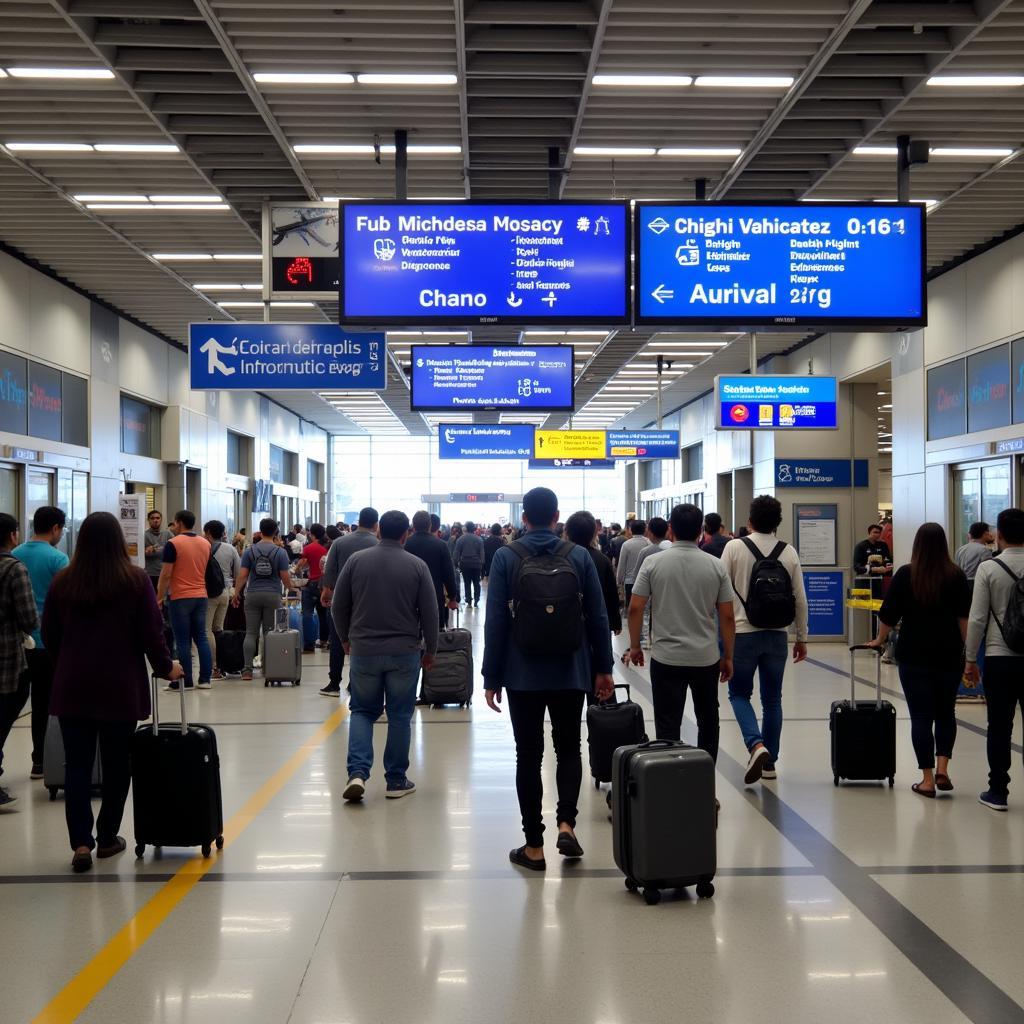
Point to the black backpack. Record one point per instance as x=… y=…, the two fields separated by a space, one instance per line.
x=1012 y=626
x=770 y=603
x=547 y=601
x=214 y=574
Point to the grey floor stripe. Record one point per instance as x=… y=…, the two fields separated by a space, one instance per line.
x=961 y=723
x=971 y=991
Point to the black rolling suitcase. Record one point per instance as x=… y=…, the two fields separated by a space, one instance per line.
x=863 y=731
x=609 y=726
x=450 y=681
x=664 y=818
x=230 y=653
x=176 y=784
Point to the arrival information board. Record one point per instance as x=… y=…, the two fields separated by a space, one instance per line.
x=413 y=263
x=491 y=377
x=797 y=263
x=775 y=402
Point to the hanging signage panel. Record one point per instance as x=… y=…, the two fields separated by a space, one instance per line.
x=643 y=444
x=285 y=357
x=484 y=441
x=820 y=264
x=821 y=472
x=448 y=377
x=776 y=402
x=472 y=263
x=300 y=250
x=571 y=444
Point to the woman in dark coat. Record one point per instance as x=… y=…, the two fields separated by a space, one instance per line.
x=100 y=623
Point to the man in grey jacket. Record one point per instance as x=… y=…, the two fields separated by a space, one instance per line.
x=629 y=557
x=385 y=614
x=365 y=536
x=469 y=559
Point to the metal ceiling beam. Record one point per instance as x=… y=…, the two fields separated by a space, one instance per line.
x=595 y=55
x=797 y=89
x=986 y=12
x=85 y=29
x=460 y=70
x=235 y=60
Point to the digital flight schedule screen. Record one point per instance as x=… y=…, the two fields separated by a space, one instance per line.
x=811 y=264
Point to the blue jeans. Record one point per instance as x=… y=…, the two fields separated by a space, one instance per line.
x=377 y=681
x=764 y=652
x=188 y=621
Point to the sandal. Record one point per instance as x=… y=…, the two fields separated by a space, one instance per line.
x=943 y=783
x=519 y=858
x=921 y=791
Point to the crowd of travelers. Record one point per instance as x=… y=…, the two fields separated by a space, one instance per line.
x=79 y=637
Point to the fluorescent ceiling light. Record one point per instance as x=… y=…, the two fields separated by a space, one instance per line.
x=240 y=304
x=996 y=151
x=292 y=305
x=252 y=287
x=324 y=148
x=88 y=197
x=586 y=334
x=744 y=81
x=237 y=256
x=49 y=147
x=432 y=149
x=205 y=207
x=3 y=74
x=136 y=147
x=304 y=78
x=410 y=79
x=218 y=287
x=614 y=151
x=185 y=199
x=977 y=81
x=649 y=81
x=60 y=73
x=690 y=344
x=875 y=151
x=722 y=151
x=189 y=257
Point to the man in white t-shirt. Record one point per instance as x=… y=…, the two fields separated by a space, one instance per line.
x=762 y=649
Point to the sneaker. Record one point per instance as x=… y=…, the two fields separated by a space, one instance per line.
x=400 y=789
x=8 y=801
x=354 y=790
x=759 y=757
x=37 y=772
x=205 y=684
x=246 y=677
x=768 y=771
x=331 y=690
x=217 y=674
x=996 y=801
x=173 y=687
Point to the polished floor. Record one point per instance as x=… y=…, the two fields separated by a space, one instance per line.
x=850 y=905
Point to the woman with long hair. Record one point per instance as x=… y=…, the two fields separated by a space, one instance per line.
x=930 y=600
x=100 y=623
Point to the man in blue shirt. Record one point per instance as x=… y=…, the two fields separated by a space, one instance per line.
x=43 y=561
x=556 y=680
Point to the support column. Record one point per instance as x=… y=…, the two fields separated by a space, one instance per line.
x=401 y=163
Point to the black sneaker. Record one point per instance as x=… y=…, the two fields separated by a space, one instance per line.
x=37 y=772
x=8 y=802
x=331 y=690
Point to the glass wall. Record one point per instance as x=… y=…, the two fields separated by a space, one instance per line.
x=394 y=472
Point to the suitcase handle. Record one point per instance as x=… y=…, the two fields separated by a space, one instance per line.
x=156 y=705
x=866 y=647
x=654 y=744
x=854 y=648
x=609 y=702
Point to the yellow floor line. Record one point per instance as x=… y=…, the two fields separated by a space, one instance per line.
x=76 y=995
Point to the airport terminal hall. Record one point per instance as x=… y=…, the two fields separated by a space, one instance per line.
x=511 y=510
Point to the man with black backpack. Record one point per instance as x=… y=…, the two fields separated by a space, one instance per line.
x=997 y=618
x=769 y=585
x=546 y=641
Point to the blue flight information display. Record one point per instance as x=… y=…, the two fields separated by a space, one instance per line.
x=796 y=263
x=775 y=402
x=471 y=377
x=459 y=263
x=643 y=444
x=484 y=441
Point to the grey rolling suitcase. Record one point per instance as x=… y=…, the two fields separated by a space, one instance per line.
x=53 y=759
x=664 y=818
x=450 y=681
x=282 y=652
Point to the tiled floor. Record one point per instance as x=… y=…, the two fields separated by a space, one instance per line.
x=408 y=911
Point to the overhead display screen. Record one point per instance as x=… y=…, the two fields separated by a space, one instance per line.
x=775 y=402
x=300 y=250
x=826 y=264
x=472 y=263
x=484 y=441
x=535 y=377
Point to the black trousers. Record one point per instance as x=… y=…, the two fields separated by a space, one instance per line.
x=526 y=709
x=40 y=674
x=10 y=707
x=1004 y=690
x=337 y=655
x=669 y=684
x=931 y=698
x=115 y=739
x=471 y=576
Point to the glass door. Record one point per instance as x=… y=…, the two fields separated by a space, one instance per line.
x=38 y=492
x=980 y=492
x=10 y=499
x=79 y=505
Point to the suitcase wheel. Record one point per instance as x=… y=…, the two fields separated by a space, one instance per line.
x=53 y=793
x=220 y=842
x=892 y=781
x=597 y=784
x=140 y=849
x=705 y=890
x=207 y=850
x=631 y=885
x=835 y=780
x=652 y=896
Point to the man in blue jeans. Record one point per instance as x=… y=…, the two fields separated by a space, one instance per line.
x=763 y=651
x=385 y=613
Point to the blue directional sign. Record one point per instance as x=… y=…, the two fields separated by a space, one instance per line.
x=643 y=444
x=446 y=377
x=284 y=357
x=484 y=441
x=798 y=263
x=535 y=262
x=821 y=472
x=775 y=402
x=572 y=463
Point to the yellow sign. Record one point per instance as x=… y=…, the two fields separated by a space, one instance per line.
x=569 y=444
